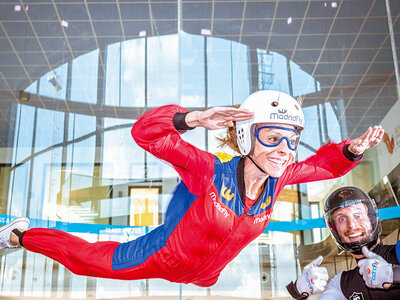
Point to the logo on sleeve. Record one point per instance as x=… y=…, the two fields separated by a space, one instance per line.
x=356 y=296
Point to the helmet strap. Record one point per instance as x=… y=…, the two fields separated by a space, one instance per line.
x=258 y=167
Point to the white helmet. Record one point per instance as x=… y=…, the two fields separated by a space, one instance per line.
x=268 y=107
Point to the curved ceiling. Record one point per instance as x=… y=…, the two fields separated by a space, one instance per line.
x=345 y=45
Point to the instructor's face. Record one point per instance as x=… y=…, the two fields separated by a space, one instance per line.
x=352 y=223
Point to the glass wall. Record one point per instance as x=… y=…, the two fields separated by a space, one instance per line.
x=75 y=77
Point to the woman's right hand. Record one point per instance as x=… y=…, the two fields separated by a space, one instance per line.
x=217 y=117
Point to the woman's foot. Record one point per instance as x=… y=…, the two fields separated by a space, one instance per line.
x=8 y=239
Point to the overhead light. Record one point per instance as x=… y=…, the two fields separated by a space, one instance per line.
x=54 y=82
x=289 y=20
x=64 y=23
x=334 y=4
x=18 y=7
x=205 y=31
x=142 y=33
x=24 y=96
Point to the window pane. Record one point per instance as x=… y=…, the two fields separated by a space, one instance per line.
x=132 y=73
x=112 y=75
x=241 y=72
x=192 y=70
x=49 y=129
x=23 y=135
x=219 y=73
x=273 y=73
x=54 y=83
x=122 y=157
x=162 y=80
x=302 y=82
x=84 y=77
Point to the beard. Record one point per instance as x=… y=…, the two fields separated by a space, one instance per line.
x=355 y=235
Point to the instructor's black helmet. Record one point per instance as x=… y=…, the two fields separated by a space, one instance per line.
x=345 y=208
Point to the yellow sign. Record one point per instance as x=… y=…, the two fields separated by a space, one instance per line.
x=144 y=206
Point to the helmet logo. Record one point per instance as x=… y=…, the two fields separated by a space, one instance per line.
x=286 y=117
x=345 y=194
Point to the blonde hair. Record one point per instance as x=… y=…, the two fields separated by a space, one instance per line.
x=230 y=139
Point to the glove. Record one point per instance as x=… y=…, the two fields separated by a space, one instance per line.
x=376 y=272
x=313 y=279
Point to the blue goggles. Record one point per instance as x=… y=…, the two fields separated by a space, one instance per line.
x=272 y=136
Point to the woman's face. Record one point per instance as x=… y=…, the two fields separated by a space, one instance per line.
x=274 y=160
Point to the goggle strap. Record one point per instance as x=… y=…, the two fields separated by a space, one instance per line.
x=279 y=127
x=256 y=164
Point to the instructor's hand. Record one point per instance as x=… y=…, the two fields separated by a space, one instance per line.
x=376 y=272
x=313 y=279
x=217 y=117
x=369 y=139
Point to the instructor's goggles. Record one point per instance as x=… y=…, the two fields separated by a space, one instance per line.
x=272 y=136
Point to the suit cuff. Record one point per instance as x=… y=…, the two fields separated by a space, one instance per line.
x=351 y=156
x=179 y=122
x=292 y=290
x=396 y=275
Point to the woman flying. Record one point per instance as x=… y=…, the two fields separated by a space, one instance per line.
x=219 y=207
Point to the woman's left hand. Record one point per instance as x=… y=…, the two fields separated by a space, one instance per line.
x=369 y=139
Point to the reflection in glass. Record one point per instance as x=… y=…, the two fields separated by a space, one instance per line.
x=54 y=83
x=273 y=71
x=302 y=82
x=18 y=190
x=23 y=133
x=144 y=206
x=84 y=77
x=162 y=64
x=192 y=70
x=45 y=120
x=119 y=147
x=132 y=74
x=336 y=131
x=240 y=72
x=112 y=75
x=219 y=72
x=32 y=88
